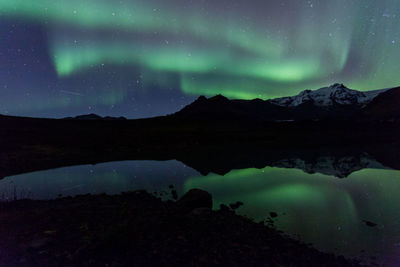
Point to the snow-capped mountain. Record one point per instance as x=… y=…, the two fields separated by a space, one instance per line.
x=328 y=96
x=332 y=102
x=330 y=165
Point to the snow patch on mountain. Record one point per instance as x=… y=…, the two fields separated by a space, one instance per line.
x=328 y=96
x=333 y=166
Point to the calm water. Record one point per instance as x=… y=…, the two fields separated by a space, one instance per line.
x=320 y=209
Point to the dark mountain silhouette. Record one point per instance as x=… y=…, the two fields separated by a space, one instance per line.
x=93 y=116
x=217 y=134
x=385 y=105
x=220 y=107
x=333 y=102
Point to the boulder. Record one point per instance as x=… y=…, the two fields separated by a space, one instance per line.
x=194 y=199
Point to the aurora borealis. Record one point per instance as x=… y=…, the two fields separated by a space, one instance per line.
x=143 y=58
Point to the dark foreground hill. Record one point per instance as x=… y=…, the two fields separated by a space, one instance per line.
x=385 y=106
x=216 y=145
x=138 y=229
x=208 y=145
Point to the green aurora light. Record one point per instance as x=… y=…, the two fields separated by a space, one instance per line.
x=234 y=51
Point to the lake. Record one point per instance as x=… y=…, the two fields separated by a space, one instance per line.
x=356 y=216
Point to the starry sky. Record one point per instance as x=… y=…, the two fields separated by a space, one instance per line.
x=141 y=58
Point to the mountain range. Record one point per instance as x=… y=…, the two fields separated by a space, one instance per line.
x=334 y=102
x=93 y=116
x=217 y=135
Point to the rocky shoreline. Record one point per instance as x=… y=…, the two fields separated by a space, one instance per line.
x=139 y=229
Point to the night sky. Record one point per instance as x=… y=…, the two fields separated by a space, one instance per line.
x=140 y=58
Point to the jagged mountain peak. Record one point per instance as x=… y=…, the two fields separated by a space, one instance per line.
x=201 y=98
x=218 y=98
x=338 y=85
x=334 y=101
x=93 y=116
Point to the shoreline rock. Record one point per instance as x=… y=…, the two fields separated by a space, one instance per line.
x=139 y=229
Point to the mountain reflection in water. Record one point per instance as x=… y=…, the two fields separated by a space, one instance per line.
x=311 y=201
x=327 y=212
